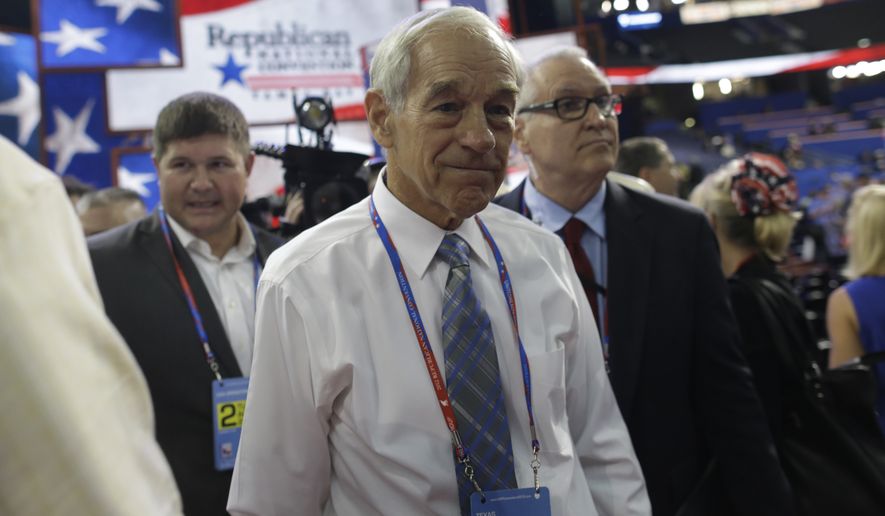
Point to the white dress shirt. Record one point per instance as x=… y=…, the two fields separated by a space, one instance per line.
x=342 y=418
x=230 y=281
x=77 y=425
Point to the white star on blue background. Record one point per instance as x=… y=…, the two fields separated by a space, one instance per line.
x=135 y=181
x=70 y=37
x=125 y=8
x=70 y=137
x=25 y=106
x=231 y=70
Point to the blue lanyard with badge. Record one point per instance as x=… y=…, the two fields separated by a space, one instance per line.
x=532 y=501
x=228 y=394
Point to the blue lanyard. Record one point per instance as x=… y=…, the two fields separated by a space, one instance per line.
x=424 y=342
x=189 y=295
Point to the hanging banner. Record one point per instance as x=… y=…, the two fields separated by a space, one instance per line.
x=259 y=54
x=108 y=33
x=76 y=142
x=19 y=91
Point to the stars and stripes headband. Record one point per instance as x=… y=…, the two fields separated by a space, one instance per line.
x=763 y=186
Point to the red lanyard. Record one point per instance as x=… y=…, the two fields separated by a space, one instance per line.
x=191 y=301
x=433 y=369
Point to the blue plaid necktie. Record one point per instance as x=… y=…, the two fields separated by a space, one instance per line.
x=473 y=380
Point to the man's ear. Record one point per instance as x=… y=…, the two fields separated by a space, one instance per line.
x=520 y=138
x=645 y=173
x=378 y=113
x=250 y=162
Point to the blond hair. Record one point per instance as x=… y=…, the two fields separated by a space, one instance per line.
x=866 y=232
x=769 y=233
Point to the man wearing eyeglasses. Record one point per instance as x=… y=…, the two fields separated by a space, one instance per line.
x=649 y=267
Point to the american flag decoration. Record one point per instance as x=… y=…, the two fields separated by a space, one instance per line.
x=77 y=142
x=19 y=91
x=763 y=186
x=108 y=33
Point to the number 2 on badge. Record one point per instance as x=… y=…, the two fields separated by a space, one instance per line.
x=230 y=414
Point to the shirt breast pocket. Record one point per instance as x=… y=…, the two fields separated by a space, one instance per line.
x=549 y=401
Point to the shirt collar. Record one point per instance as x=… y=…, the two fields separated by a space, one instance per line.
x=416 y=238
x=550 y=215
x=245 y=247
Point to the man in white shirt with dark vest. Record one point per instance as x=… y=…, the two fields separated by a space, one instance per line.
x=180 y=284
x=423 y=352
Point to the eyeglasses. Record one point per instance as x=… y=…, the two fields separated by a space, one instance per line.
x=574 y=108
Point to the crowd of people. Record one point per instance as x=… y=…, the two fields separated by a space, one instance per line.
x=578 y=345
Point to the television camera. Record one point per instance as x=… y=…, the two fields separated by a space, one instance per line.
x=328 y=181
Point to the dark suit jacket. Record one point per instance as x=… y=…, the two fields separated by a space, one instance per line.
x=144 y=300
x=681 y=382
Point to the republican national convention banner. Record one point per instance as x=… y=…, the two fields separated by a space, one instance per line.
x=259 y=53
x=93 y=74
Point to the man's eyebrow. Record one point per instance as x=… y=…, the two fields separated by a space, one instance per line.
x=508 y=89
x=575 y=90
x=438 y=88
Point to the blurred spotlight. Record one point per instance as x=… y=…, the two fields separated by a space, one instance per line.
x=863 y=42
x=677 y=2
x=642 y=5
x=838 y=72
x=697 y=89
x=606 y=7
x=689 y=122
x=853 y=72
x=621 y=5
x=725 y=86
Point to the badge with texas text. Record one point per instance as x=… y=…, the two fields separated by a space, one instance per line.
x=511 y=502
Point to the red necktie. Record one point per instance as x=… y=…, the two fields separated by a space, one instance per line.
x=573 y=231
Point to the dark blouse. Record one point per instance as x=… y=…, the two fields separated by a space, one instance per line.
x=757 y=339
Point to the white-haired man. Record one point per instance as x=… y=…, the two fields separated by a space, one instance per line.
x=650 y=268
x=390 y=374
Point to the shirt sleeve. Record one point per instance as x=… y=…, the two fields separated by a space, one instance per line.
x=283 y=465
x=602 y=442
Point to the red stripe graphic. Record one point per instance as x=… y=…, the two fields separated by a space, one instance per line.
x=189 y=7
x=263 y=82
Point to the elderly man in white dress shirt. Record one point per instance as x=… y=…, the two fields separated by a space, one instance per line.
x=347 y=411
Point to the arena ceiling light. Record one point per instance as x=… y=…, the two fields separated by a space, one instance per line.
x=753 y=67
x=865 y=68
x=697 y=90
x=639 y=21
